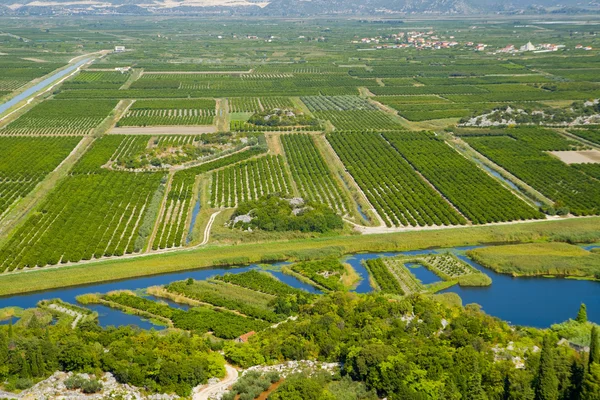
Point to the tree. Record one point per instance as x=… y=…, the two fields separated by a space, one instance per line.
x=594 y=349
x=582 y=314
x=591 y=384
x=474 y=389
x=547 y=382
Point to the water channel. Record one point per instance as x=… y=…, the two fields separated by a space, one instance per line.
x=41 y=85
x=535 y=301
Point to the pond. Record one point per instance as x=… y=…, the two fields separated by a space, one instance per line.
x=535 y=301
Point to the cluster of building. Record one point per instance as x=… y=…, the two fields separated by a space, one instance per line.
x=540 y=48
x=413 y=39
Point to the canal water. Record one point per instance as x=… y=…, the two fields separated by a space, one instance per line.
x=46 y=82
x=535 y=301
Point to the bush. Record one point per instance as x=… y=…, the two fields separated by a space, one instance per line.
x=23 y=383
x=91 y=386
x=74 y=382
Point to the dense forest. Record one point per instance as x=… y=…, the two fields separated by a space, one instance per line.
x=418 y=347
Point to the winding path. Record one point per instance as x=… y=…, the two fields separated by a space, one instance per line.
x=209 y=391
x=209 y=225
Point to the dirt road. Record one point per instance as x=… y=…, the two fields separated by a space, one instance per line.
x=208 y=391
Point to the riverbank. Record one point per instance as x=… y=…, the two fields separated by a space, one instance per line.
x=540 y=259
x=211 y=256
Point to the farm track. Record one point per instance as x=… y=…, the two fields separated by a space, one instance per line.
x=206 y=392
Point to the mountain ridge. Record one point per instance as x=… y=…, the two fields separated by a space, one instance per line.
x=295 y=8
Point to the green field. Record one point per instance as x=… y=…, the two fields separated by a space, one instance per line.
x=559 y=259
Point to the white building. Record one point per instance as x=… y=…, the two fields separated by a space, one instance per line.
x=528 y=47
x=119 y=49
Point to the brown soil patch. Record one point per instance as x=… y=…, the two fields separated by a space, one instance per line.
x=578 y=157
x=274 y=143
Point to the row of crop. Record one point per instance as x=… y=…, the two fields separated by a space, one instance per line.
x=25 y=161
x=551 y=177
x=337 y=103
x=96 y=80
x=102 y=150
x=389 y=182
x=313 y=177
x=249 y=181
x=384 y=279
x=174 y=216
x=222 y=324
x=593 y=135
x=85 y=216
x=58 y=116
x=478 y=196
x=242 y=126
x=234 y=298
x=326 y=273
x=261 y=90
x=592 y=170
x=245 y=104
x=172 y=221
x=167 y=117
x=255 y=104
x=260 y=282
x=359 y=120
x=421 y=90
x=407 y=280
x=178 y=104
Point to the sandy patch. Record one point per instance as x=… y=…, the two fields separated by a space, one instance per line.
x=37 y=60
x=163 y=130
x=578 y=157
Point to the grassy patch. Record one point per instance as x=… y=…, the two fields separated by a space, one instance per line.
x=301 y=249
x=532 y=259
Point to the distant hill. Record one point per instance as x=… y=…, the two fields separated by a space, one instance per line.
x=298 y=7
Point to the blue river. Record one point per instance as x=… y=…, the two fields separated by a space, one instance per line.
x=41 y=85
x=536 y=301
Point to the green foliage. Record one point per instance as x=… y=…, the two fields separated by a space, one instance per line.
x=231 y=297
x=526 y=158
x=547 y=381
x=61 y=117
x=326 y=272
x=298 y=387
x=313 y=177
x=539 y=259
x=385 y=280
x=261 y=282
x=594 y=346
x=591 y=384
x=223 y=324
x=274 y=214
x=582 y=314
x=25 y=161
x=169 y=112
x=478 y=196
x=390 y=183
x=250 y=180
